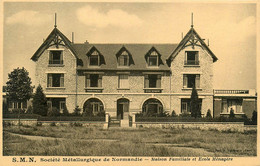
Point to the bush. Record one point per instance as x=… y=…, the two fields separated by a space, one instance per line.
x=174 y=114
x=101 y=114
x=232 y=114
x=17 y=110
x=65 y=111
x=162 y=114
x=209 y=114
x=53 y=112
x=185 y=114
x=254 y=118
x=29 y=110
x=76 y=111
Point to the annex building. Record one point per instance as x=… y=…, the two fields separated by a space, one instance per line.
x=124 y=79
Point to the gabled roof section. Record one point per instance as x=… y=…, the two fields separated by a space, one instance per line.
x=91 y=50
x=131 y=60
x=55 y=38
x=149 y=53
x=192 y=38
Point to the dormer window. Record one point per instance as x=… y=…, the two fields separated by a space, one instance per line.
x=55 y=57
x=94 y=59
x=153 y=59
x=123 y=59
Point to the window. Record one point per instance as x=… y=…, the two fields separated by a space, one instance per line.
x=153 y=59
x=190 y=80
x=152 y=107
x=62 y=105
x=192 y=58
x=123 y=59
x=152 y=81
x=92 y=107
x=93 y=80
x=123 y=81
x=17 y=104
x=55 y=80
x=186 y=107
x=56 y=57
x=94 y=59
x=228 y=104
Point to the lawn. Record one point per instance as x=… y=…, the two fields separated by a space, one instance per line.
x=90 y=141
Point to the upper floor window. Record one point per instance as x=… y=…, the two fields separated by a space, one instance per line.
x=55 y=80
x=94 y=59
x=152 y=81
x=190 y=80
x=153 y=59
x=123 y=82
x=191 y=58
x=56 y=57
x=123 y=59
x=93 y=81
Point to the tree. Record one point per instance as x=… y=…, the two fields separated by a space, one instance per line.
x=194 y=103
x=232 y=114
x=18 y=87
x=39 y=102
x=254 y=118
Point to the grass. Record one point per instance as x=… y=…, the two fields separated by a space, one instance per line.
x=82 y=141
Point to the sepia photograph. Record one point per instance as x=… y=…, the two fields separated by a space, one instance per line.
x=130 y=81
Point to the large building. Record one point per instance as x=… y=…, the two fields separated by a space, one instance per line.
x=122 y=79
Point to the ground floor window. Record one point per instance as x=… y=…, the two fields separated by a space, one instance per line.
x=17 y=105
x=93 y=107
x=152 y=107
x=186 y=107
x=234 y=104
x=58 y=103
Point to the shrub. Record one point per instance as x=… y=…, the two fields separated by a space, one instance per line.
x=174 y=114
x=101 y=114
x=163 y=114
x=40 y=102
x=76 y=111
x=53 y=112
x=185 y=114
x=232 y=114
x=17 y=110
x=140 y=114
x=29 y=110
x=65 y=111
x=209 y=114
x=254 y=118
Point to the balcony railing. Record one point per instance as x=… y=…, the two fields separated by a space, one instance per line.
x=191 y=62
x=56 y=62
x=231 y=91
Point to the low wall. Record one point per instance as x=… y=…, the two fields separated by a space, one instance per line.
x=34 y=122
x=220 y=126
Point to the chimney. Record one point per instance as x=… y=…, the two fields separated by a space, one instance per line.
x=86 y=42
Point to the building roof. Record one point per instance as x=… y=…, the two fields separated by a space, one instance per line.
x=193 y=38
x=57 y=38
x=137 y=51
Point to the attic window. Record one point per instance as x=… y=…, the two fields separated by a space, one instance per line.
x=153 y=59
x=192 y=58
x=94 y=59
x=55 y=57
x=123 y=59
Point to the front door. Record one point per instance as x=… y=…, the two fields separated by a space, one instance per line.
x=122 y=108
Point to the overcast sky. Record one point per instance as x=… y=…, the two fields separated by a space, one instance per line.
x=230 y=28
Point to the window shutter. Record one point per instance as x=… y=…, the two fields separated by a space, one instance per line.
x=62 y=80
x=158 y=81
x=61 y=57
x=87 y=81
x=196 y=58
x=197 y=81
x=49 y=80
x=185 y=58
x=146 y=81
x=99 y=80
x=51 y=58
x=185 y=81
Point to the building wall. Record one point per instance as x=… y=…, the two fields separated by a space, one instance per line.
x=205 y=70
x=217 y=107
x=69 y=70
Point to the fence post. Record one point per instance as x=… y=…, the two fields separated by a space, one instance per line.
x=106 y=122
x=133 y=120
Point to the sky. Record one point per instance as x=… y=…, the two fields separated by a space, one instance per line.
x=230 y=28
